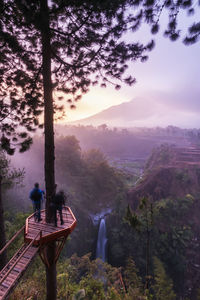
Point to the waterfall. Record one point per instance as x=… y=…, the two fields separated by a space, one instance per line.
x=101 y=241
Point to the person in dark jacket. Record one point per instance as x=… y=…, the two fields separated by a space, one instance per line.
x=59 y=202
x=36 y=195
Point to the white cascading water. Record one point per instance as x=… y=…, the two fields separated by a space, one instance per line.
x=101 y=241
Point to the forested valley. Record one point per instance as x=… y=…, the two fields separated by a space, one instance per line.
x=144 y=184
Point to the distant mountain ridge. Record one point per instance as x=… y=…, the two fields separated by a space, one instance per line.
x=149 y=111
x=124 y=114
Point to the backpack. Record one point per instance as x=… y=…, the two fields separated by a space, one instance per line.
x=35 y=195
x=59 y=199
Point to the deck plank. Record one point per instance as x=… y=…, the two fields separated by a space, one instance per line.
x=13 y=277
x=14 y=269
x=41 y=227
x=49 y=231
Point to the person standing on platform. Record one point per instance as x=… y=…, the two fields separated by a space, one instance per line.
x=36 y=195
x=59 y=202
x=43 y=199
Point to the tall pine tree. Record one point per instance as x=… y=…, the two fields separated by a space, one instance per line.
x=163 y=287
x=62 y=48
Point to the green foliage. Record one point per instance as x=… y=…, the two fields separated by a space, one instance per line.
x=131 y=279
x=162 y=155
x=32 y=284
x=170 y=221
x=113 y=294
x=198 y=294
x=171 y=227
x=132 y=218
x=163 y=287
x=143 y=219
x=146 y=212
x=79 y=295
x=68 y=156
x=93 y=288
x=88 y=177
x=13 y=223
x=80 y=278
x=183 y=176
x=93 y=157
x=173 y=236
x=91 y=184
x=10 y=176
x=86 y=46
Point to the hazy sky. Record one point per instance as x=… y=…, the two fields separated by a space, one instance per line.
x=171 y=78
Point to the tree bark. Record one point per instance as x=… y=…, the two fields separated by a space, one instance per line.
x=3 y=257
x=49 y=155
x=51 y=284
x=147 y=259
x=147 y=249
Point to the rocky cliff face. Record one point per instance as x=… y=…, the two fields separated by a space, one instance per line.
x=165 y=182
x=174 y=174
x=167 y=174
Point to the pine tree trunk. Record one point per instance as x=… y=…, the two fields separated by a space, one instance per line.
x=147 y=258
x=3 y=257
x=51 y=284
x=48 y=108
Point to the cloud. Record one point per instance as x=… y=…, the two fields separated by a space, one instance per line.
x=153 y=109
x=186 y=100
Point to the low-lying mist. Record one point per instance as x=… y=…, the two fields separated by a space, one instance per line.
x=115 y=144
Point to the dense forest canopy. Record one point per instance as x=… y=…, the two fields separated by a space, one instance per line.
x=174 y=232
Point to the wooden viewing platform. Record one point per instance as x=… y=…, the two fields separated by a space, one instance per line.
x=37 y=235
x=48 y=231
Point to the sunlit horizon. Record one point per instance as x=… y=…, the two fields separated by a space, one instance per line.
x=172 y=69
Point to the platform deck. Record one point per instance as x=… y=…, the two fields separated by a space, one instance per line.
x=36 y=235
x=48 y=231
